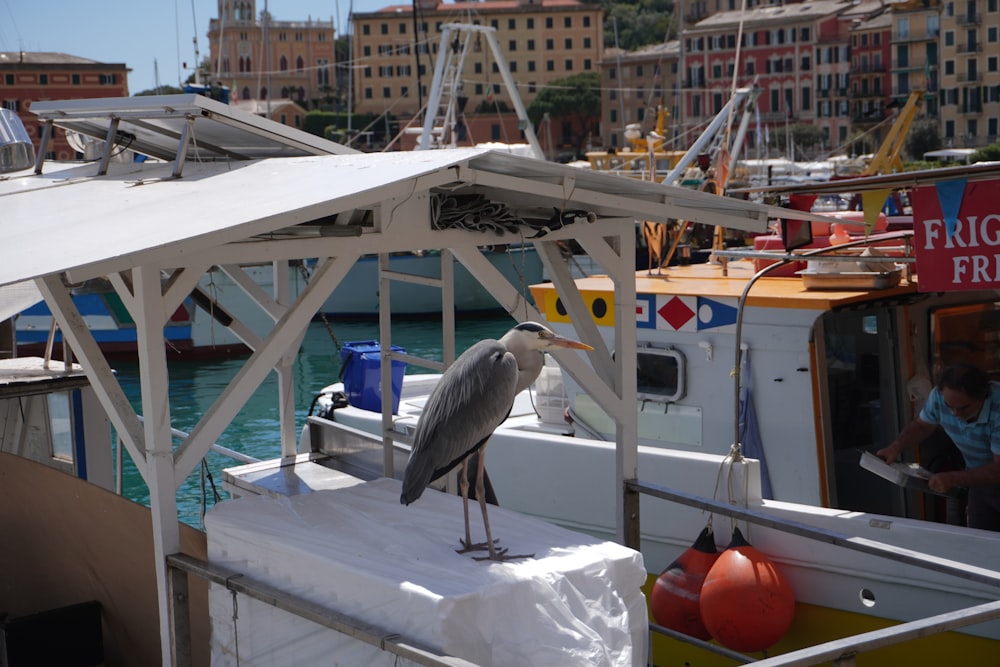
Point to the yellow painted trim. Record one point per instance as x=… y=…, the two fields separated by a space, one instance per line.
x=707 y=280
x=816 y=625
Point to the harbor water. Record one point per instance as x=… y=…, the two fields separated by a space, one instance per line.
x=194 y=387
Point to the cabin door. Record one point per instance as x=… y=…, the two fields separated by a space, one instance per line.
x=859 y=404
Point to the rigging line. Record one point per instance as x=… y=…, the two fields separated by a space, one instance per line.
x=403 y=129
x=13 y=22
x=350 y=140
x=736 y=73
x=843 y=147
x=657 y=71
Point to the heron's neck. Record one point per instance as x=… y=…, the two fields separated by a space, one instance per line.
x=529 y=365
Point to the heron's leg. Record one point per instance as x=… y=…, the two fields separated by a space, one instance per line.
x=481 y=497
x=495 y=554
x=463 y=485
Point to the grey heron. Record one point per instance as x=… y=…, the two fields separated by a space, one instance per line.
x=473 y=397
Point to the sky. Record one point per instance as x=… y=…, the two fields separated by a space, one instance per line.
x=152 y=37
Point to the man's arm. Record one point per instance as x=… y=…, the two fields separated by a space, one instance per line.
x=912 y=435
x=986 y=475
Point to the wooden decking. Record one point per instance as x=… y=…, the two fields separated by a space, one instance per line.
x=707 y=280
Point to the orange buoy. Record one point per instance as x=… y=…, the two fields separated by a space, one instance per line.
x=675 y=600
x=746 y=603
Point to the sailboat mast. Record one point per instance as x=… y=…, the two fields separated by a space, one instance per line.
x=267 y=58
x=197 y=53
x=416 y=55
x=350 y=72
x=682 y=77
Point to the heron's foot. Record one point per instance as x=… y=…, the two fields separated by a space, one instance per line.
x=476 y=546
x=502 y=556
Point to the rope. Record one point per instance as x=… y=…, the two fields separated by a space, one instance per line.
x=236 y=616
x=322 y=316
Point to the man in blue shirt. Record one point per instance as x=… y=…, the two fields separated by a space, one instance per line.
x=967 y=406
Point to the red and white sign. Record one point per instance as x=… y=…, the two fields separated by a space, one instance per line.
x=957 y=236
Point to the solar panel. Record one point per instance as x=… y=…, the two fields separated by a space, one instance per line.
x=159 y=126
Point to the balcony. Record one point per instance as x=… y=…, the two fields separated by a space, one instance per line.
x=968 y=19
x=867 y=69
x=914 y=36
x=867 y=118
x=868 y=95
x=966 y=77
x=774 y=116
x=970 y=48
x=915 y=6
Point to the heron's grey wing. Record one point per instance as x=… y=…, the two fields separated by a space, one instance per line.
x=472 y=398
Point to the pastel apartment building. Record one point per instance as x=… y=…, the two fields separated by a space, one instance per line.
x=541 y=41
x=27 y=77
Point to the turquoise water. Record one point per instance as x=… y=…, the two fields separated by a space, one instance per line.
x=254 y=431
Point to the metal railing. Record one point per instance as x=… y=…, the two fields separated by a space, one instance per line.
x=182 y=565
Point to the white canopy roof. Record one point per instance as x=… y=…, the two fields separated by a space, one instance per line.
x=72 y=220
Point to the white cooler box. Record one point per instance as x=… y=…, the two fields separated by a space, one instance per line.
x=360 y=552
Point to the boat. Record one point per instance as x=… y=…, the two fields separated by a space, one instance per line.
x=133 y=225
x=78 y=555
x=417 y=289
x=833 y=349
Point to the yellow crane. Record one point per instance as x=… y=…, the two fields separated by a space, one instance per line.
x=887 y=159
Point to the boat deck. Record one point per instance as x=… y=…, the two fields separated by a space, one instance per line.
x=714 y=281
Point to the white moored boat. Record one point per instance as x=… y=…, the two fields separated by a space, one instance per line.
x=836 y=356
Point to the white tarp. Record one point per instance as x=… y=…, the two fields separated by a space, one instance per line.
x=358 y=551
x=17 y=297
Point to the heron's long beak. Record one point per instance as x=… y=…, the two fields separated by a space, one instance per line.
x=561 y=341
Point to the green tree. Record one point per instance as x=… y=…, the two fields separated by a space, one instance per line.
x=162 y=90
x=923 y=137
x=638 y=23
x=989 y=153
x=576 y=99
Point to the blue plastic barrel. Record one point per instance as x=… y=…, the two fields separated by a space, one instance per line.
x=361 y=373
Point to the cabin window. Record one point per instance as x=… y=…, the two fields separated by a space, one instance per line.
x=61 y=423
x=660 y=374
x=967 y=334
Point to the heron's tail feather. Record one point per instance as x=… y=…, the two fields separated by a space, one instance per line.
x=415 y=480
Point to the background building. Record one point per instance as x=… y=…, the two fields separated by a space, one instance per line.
x=541 y=40
x=27 y=77
x=797 y=54
x=261 y=58
x=871 y=85
x=969 y=45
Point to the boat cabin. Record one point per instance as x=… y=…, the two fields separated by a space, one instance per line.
x=833 y=372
